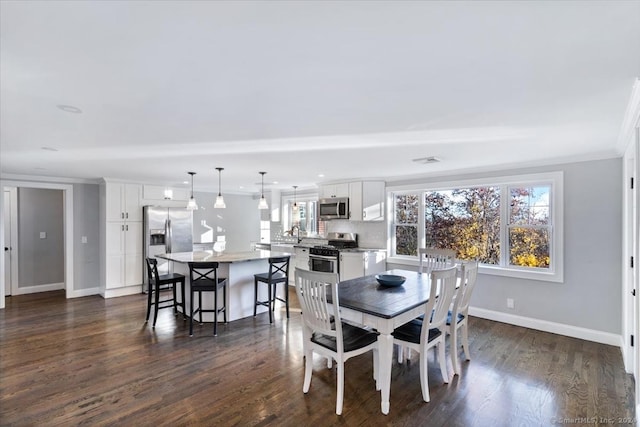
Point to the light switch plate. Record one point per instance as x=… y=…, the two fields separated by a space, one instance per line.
x=84 y=239
x=43 y=234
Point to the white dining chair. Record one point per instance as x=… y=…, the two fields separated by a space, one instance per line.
x=422 y=335
x=324 y=332
x=430 y=259
x=459 y=314
x=435 y=259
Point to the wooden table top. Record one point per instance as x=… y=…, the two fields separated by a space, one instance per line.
x=366 y=295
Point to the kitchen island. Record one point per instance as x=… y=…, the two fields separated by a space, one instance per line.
x=238 y=268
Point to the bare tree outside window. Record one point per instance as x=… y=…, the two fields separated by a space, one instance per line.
x=406 y=212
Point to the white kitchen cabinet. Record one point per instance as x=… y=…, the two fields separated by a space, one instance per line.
x=157 y=192
x=123 y=202
x=335 y=190
x=124 y=263
x=366 y=200
x=301 y=257
x=359 y=264
x=121 y=235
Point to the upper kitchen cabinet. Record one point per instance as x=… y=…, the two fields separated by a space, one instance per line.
x=157 y=192
x=335 y=190
x=366 y=198
x=123 y=201
x=370 y=203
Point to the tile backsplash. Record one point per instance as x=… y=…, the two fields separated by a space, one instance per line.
x=370 y=234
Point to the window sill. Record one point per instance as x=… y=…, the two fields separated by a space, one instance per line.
x=543 y=276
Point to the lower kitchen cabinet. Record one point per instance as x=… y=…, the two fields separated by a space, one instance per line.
x=301 y=258
x=124 y=258
x=359 y=264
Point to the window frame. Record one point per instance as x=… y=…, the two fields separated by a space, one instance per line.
x=555 y=272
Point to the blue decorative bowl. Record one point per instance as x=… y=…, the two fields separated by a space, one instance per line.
x=390 y=279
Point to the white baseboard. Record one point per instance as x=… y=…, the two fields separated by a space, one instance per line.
x=546 y=326
x=40 y=288
x=84 y=292
x=120 y=292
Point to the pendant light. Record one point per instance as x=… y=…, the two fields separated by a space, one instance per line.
x=295 y=204
x=263 y=202
x=219 y=200
x=192 y=205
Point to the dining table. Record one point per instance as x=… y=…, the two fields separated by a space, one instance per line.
x=366 y=302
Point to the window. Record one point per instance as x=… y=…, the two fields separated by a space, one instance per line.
x=512 y=225
x=304 y=217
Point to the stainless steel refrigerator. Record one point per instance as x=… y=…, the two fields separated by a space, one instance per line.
x=166 y=230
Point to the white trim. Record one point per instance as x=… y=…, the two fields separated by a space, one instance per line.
x=39 y=288
x=630 y=121
x=546 y=326
x=47 y=179
x=120 y=292
x=67 y=190
x=85 y=292
x=554 y=178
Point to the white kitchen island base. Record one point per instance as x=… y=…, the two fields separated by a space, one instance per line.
x=239 y=269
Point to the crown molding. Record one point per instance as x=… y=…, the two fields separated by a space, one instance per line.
x=631 y=119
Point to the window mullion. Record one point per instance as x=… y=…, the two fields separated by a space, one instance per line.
x=505 y=204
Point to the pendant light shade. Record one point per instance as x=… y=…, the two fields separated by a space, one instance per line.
x=263 y=202
x=219 y=200
x=192 y=205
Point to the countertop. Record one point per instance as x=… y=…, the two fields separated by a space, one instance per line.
x=228 y=257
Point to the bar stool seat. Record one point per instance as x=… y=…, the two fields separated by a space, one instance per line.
x=204 y=278
x=278 y=273
x=159 y=283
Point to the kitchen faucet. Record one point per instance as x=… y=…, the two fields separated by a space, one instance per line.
x=297 y=228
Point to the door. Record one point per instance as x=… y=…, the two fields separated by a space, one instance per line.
x=7 y=243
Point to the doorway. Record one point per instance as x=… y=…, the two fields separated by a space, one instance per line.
x=67 y=191
x=11 y=240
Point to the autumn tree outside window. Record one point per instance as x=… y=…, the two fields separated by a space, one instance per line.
x=512 y=225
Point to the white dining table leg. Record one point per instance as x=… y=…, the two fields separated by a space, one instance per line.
x=385 y=350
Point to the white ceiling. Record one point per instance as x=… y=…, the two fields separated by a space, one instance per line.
x=347 y=89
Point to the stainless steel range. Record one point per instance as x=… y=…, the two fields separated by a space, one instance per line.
x=326 y=258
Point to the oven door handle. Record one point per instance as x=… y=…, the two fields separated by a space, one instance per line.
x=330 y=258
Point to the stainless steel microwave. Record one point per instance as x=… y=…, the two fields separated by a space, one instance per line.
x=334 y=208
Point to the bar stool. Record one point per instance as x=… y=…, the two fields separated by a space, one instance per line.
x=278 y=273
x=160 y=283
x=204 y=278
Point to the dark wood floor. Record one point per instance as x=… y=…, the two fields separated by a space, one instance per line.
x=90 y=361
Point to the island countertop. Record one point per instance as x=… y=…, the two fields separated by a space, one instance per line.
x=212 y=256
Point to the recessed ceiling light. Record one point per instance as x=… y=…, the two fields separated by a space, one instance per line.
x=320 y=175
x=426 y=160
x=275 y=182
x=70 y=109
x=49 y=149
x=185 y=182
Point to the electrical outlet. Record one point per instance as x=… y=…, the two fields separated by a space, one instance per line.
x=43 y=234
x=84 y=239
x=510 y=303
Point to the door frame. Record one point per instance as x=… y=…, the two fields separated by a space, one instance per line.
x=67 y=194
x=13 y=243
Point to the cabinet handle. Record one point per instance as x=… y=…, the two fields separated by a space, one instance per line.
x=122 y=227
x=121 y=215
x=364 y=214
x=127 y=227
x=127 y=215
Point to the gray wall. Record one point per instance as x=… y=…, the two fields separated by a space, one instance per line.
x=40 y=261
x=86 y=256
x=590 y=296
x=239 y=222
